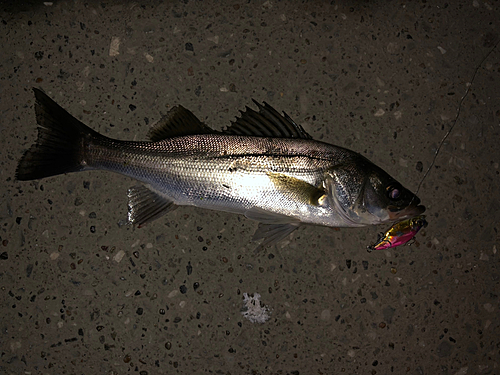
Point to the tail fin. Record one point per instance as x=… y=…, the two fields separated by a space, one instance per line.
x=59 y=146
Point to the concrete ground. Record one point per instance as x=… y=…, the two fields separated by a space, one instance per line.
x=82 y=293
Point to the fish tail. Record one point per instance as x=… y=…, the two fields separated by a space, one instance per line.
x=60 y=145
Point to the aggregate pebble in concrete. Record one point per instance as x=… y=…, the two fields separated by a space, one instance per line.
x=83 y=293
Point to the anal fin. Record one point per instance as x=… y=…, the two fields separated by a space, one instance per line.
x=145 y=205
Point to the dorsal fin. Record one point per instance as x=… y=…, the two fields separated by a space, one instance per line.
x=266 y=123
x=177 y=122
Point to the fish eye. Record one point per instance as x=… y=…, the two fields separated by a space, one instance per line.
x=393 y=192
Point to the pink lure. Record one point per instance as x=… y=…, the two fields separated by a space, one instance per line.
x=399 y=234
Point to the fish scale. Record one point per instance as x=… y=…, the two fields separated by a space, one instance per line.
x=215 y=171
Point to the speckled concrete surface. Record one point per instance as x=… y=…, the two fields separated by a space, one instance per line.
x=83 y=294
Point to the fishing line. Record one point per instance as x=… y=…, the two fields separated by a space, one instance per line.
x=456 y=117
x=403 y=231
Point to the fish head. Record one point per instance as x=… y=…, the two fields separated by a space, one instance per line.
x=365 y=194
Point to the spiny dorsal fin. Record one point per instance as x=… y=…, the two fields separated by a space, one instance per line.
x=266 y=123
x=178 y=122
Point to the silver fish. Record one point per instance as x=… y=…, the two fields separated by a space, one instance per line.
x=264 y=166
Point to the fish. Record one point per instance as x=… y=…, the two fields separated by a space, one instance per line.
x=264 y=166
x=400 y=233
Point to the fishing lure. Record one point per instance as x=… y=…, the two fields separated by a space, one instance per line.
x=399 y=234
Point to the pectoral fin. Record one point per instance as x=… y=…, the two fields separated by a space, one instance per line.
x=274 y=227
x=296 y=189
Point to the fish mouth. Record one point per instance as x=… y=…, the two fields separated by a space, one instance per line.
x=417 y=210
x=412 y=210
